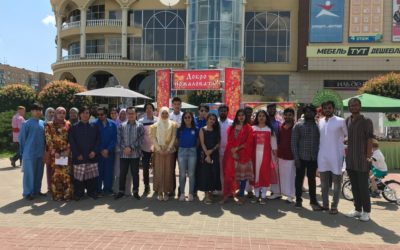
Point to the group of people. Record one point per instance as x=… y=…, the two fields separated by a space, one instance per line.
x=220 y=157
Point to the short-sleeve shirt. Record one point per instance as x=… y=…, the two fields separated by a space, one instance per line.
x=360 y=130
x=187 y=137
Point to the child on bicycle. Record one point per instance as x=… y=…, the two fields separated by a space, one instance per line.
x=379 y=167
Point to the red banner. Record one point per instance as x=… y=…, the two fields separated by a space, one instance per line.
x=163 y=79
x=232 y=90
x=197 y=80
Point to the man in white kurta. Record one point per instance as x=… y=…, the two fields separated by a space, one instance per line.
x=332 y=130
x=224 y=123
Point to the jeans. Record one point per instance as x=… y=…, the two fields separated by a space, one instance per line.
x=187 y=159
x=325 y=184
x=146 y=166
x=311 y=167
x=17 y=155
x=360 y=188
x=125 y=165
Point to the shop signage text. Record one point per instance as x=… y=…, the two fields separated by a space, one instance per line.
x=344 y=84
x=345 y=51
x=197 y=80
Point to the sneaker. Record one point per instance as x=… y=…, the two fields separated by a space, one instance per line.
x=298 y=205
x=182 y=197
x=316 y=206
x=190 y=197
x=254 y=200
x=12 y=162
x=275 y=196
x=263 y=201
x=364 y=216
x=119 y=195
x=289 y=200
x=353 y=214
x=136 y=196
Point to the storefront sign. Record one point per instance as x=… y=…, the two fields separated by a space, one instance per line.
x=232 y=90
x=349 y=51
x=344 y=84
x=366 y=21
x=197 y=80
x=163 y=79
x=326 y=21
x=396 y=21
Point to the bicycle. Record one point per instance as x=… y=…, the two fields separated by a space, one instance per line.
x=390 y=189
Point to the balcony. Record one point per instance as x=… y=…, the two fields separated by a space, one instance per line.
x=103 y=56
x=71 y=57
x=71 y=25
x=104 y=22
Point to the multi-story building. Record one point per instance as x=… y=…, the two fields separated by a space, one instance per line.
x=11 y=75
x=109 y=42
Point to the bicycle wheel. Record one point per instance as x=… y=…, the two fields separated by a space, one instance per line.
x=391 y=192
x=346 y=191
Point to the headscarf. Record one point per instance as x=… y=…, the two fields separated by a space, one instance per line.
x=47 y=117
x=163 y=128
x=56 y=121
x=119 y=115
x=73 y=121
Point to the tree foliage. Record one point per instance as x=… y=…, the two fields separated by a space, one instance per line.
x=14 y=95
x=384 y=85
x=62 y=93
x=204 y=96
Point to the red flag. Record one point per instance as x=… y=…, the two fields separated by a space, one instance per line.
x=163 y=79
x=232 y=90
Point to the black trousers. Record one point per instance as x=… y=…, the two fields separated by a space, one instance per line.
x=125 y=165
x=360 y=188
x=17 y=155
x=146 y=166
x=311 y=167
x=89 y=185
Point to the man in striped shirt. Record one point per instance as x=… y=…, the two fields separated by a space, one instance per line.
x=130 y=140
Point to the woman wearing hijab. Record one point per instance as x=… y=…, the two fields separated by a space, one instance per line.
x=119 y=118
x=56 y=133
x=163 y=134
x=48 y=117
x=73 y=116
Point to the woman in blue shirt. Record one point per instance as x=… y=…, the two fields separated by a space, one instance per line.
x=187 y=135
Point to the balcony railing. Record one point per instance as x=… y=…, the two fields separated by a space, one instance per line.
x=71 y=25
x=104 y=56
x=104 y=22
x=71 y=57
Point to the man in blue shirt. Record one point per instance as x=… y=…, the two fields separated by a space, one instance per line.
x=108 y=139
x=31 y=139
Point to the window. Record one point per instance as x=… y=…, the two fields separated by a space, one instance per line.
x=115 y=14
x=267 y=37
x=95 y=46
x=114 y=45
x=74 y=16
x=95 y=12
x=262 y=88
x=74 y=48
x=163 y=36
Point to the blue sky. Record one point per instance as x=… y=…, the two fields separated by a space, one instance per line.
x=27 y=34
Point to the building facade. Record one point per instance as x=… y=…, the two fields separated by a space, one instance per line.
x=12 y=75
x=122 y=42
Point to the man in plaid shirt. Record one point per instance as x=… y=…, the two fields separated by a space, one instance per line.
x=305 y=146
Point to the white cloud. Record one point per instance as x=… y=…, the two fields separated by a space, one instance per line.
x=49 y=20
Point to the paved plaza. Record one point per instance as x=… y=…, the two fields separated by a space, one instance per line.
x=151 y=224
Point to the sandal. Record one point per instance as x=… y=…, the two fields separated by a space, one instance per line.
x=333 y=211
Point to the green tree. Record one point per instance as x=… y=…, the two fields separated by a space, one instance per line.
x=14 y=95
x=6 y=131
x=62 y=93
x=204 y=96
x=384 y=85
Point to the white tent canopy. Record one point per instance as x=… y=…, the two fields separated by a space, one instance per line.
x=184 y=105
x=114 y=92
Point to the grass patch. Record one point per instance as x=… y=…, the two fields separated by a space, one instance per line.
x=6 y=154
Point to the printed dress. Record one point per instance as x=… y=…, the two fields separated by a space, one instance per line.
x=57 y=142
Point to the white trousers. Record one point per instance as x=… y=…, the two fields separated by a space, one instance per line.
x=287 y=175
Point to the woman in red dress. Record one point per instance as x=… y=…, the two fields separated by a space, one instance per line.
x=238 y=157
